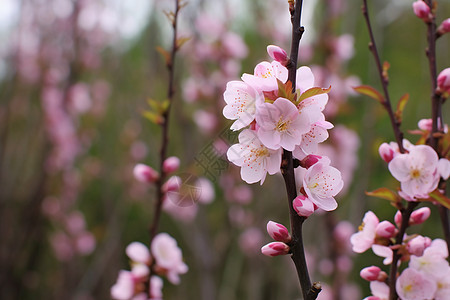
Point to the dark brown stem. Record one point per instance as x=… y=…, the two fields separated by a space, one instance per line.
x=287 y=169
x=170 y=63
x=406 y=213
x=384 y=81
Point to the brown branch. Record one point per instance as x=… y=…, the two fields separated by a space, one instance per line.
x=287 y=169
x=170 y=64
x=384 y=81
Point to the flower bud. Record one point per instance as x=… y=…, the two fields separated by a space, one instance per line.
x=138 y=252
x=173 y=184
x=144 y=173
x=386 y=152
x=443 y=80
x=398 y=218
x=278 y=232
x=171 y=164
x=303 y=206
x=422 y=10
x=310 y=160
x=370 y=273
x=385 y=229
x=425 y=124
x=417 y=245
x=275 y=249
x=444 y=27
x=278 y=54
x=419 y=216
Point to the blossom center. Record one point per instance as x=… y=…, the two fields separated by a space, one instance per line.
x=361 y=227
x=415 y=173
x=282 y=125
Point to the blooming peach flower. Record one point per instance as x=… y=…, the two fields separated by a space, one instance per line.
x=321 y=184
x=255 y=159
x=123 y=289
x=242 y=100
x=168 y=257
x=266 y=75
x=414 y=285
x=281 y=125
x=416 y=171
x=365 y=237
x=383 y=251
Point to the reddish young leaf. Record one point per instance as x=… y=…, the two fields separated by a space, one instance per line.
x=441 y=198
x=400 y=107
x=370 y=91
x=313 y=92
x=384 y=193
x=165 y=54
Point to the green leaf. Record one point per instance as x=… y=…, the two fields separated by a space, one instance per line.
x=400 y=107
x=441 y=198
x=154 y=105
x=370 y=91
x=384 y=193
x=153 y=117
x=313 y=92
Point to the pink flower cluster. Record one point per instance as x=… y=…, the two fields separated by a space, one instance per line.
x=166 y=260
x=274 y=119
x=418 y=170
x=427 y=276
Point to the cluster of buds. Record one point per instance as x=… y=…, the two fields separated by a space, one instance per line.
x=282 y=238
x=165 y=260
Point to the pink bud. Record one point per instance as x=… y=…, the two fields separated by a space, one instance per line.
x=303 y=206
x=425 y=124
x=443 y=80
x=275 y=249
x=444 y=27
x=278 y=232
x=443 y=168
x=310 y=160
x=385 y=229
x=419 y=216
x=144 y=173
x=138 y=252
x=370 y=273
x=422 y=10
x=398 y=218
x=173 y=184
x=278 y=54
x=417 y=245
x=171 y=164
x=386 y=152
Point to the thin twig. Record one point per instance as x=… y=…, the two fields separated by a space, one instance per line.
x=384 y=81
x=287 y=168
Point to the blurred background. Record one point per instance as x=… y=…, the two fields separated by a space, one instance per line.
x=75 y=77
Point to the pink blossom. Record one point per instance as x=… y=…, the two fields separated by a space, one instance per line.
x=443 y=80
x=310 y=160
x=156 y=285
x=417 y=245
x=234 y=45
x=443 y=287
x=242 y=100
x=443 y=168
x=171 y=164
x=414 y=285
x=321 y=184
x=425 y=124
x=138 y=252
x=303 y=206
x=123 y=289
x=144 y=173
x=278 y=54
x=383 y=251
x=168 y=256
x=371 y=273
x=380 y=291
x=422 y=10
x=317 y=134
x=250 y=241
x=444 y=27
x=140 y=271
x=386 y=152
x=281 y=125
x=416 y=171
x=365 y=237
x=385 y=229
x=275 y=249
x=344 y=47
x=433 y=262
x=419 y=216
x=205 y=190
x=205 y=120
x=255 y=159
x=266 y=75
x=278 y=232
